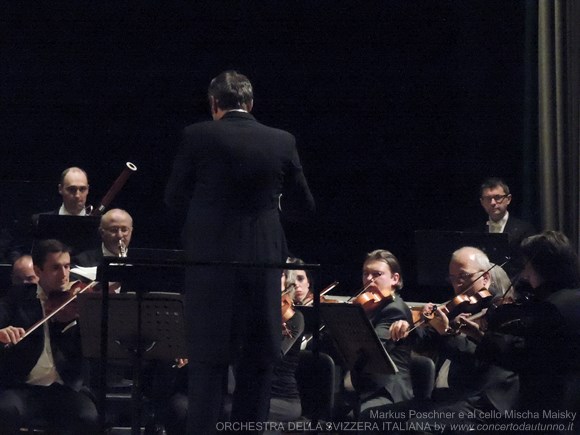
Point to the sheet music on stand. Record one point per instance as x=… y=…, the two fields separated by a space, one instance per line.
x=356 y=338
x=162 y=325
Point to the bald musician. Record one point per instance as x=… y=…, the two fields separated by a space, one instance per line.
x=23 y=271
x=116 y=230
x=73 y=187
x=40 y=377
x=465 y=385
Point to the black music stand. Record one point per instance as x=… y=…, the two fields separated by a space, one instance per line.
x=434 y=249
x=78 y=232
x=356 y=338
x=123 y=269
x=141 y=327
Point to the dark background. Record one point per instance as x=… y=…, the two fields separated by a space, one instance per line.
x=400 y=109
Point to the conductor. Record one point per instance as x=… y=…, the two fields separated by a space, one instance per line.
x=232 y=171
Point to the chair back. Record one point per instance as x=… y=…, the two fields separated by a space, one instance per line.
x=422 y=376
x=315 y=379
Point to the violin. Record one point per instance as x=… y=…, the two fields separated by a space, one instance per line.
x=60 y=306
x=467 y=302
x=371 y=300
x=309 y=299
x=287 y=312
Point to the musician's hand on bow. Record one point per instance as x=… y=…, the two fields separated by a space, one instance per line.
x=399 y=330
x=11 y=335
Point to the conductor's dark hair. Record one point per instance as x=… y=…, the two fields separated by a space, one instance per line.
x=45 y=247
x=231 y=90
x=552 y=257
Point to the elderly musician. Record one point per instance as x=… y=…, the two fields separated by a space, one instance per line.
x=116 y=230
x=40 y=374
x=465 y=386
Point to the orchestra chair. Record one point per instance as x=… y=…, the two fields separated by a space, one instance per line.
x=422 y=376
x=315 y=379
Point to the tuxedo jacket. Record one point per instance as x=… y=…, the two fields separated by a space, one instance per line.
x=397 y=387
x=541 y=342
x=22 y=308
x=516 y=229
x=229 y=175
x=469 y=375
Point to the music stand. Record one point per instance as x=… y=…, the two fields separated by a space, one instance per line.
x=148 y=326
x=121 y=269
x=78 y=232
x=434 y=249
x=356 y=338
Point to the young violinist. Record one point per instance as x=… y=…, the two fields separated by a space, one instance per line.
x=381 y=275
x=41 y=374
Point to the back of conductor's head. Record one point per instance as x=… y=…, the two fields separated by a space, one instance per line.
x=231 y=90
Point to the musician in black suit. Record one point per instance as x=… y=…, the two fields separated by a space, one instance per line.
x=495 y=198
x=231 y=172
x=469 y=389
x=116 y=230
x=41 y=377
x=74 y=189
x=540 y=337
x=381 y=274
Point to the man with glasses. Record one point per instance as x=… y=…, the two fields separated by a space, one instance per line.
x=464 y=384
x=495 y=197
x=116 y=229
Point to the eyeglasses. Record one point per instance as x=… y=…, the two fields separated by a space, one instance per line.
x=497 y=198
x=115 y=230
x=462 y=277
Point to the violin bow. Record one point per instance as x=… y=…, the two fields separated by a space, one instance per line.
x=52 y=314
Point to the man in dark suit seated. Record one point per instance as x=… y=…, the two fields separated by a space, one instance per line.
x=23 y=271
x=41 y=377
x=115 y=229
x=468 y=390
x=382 y=275
x=74 y=189
x=495 y=198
